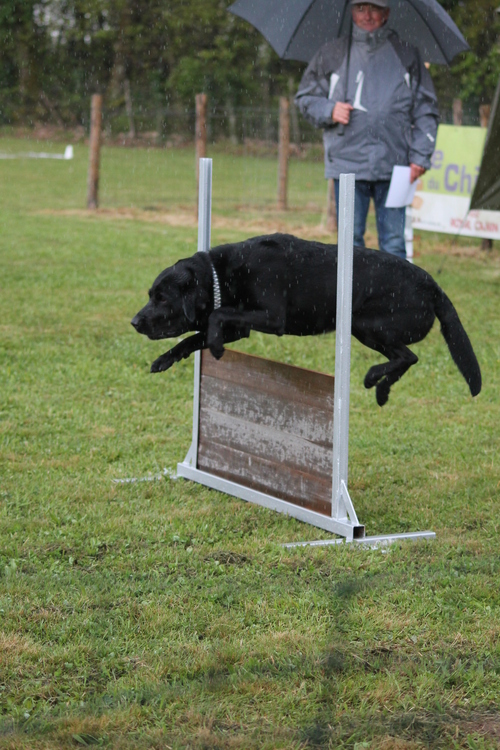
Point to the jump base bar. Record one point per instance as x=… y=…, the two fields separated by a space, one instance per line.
x=327 y=523
x=369 y=541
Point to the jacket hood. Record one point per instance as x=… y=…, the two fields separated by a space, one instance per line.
x=372 y=39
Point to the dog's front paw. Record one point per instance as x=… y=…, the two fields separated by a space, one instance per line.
x=382 y=391
x=163 y=363
x=216 y=350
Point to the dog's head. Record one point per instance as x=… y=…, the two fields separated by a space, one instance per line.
x=179 y=301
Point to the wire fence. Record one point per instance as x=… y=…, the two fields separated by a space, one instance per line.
x=153 y=123
x=176 y=125
x=235 y=124
x=157 y=171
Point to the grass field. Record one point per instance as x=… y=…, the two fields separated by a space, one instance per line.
x=164 y=615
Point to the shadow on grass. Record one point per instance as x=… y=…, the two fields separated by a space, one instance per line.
x=408 y=730
x=402 y=731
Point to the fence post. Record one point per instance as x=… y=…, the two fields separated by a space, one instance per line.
x=331 y=207
x=94 y=151
x=484 y=114
x=129 y=108
x=458 y=112
x=283 y=152
x=294 y=119
x=484 y=117
x=200 y=136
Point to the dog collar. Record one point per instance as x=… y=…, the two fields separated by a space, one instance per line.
x=217 y=298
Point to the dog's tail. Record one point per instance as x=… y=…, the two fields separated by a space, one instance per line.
x=458 y=342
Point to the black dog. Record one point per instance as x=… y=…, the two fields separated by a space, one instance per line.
x=284 y=285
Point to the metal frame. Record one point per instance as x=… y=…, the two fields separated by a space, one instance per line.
x=343 y=520
x=204 y=240
x=368 y=541
x=342 y=507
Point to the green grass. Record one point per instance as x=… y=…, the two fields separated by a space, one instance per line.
x=152 y=177
x=161 y=614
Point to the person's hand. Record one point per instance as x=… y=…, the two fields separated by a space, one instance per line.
x=342 y=113
x=416 y=171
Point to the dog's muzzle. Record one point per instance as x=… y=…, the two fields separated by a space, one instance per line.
x=139 y=324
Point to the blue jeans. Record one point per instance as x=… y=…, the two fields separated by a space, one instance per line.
x=390 y=221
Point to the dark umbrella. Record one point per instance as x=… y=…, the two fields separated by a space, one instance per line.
x=296 y=29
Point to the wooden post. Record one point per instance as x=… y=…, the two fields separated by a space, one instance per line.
x=458 y=112
x=283 y=152
x=200 y=134
x=95 y=147
x=484 y=117
x=484 y=114
x=231 y=116
x=331 y=207
x=129 y=108
x=294 y=119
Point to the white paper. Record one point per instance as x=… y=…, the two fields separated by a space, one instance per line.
x=401 y=191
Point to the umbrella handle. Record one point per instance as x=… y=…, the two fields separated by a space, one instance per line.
x=340 y=129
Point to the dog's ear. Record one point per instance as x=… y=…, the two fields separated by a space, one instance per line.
x=189 y=305
x=272 y=240
x=185 y=276
x=187 y=282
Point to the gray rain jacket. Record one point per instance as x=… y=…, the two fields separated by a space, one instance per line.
x=395 y=115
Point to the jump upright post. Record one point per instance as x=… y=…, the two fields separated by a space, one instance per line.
x=342 y=507
x=204 y=239
x=278 y=435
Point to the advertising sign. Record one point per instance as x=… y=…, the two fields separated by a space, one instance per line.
x=441 y=203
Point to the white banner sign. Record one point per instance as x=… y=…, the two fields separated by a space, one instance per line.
x=441 y=203
x=445 y=213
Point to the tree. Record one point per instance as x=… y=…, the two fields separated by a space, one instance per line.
x=147 y=55
x=473 y=75
x=21 y=48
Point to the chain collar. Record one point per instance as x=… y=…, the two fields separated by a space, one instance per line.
x=217 y=297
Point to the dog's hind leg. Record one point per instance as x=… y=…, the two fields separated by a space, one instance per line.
x=384 y=385
x=400 y=360
x=385 y=375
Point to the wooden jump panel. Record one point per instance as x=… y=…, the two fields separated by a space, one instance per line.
x=267 y=426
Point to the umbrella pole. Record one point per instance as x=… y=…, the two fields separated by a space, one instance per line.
x=341 y=128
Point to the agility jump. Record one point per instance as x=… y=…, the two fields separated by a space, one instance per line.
x=283 y=285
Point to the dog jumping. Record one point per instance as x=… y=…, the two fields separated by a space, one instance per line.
x=281 y=284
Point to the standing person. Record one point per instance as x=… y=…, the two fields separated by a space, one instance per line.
x=374 y=98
